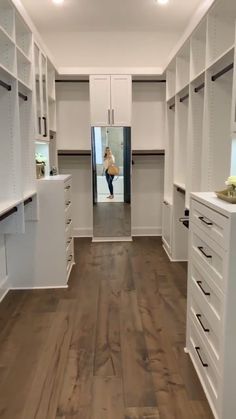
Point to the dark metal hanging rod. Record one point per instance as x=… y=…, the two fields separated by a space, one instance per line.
x=133 y=81
x=28 y=201
x=5 y=85
x=172 y=106
x=200 y=87
x=180 y=190
x=183 y=98
x=222 y=72
x=8 y=213
x=24 y=97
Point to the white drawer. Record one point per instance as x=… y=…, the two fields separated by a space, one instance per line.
x=208 y=255
x=208 y=327
x=67 y=191
x=205 y=368
x=215 y=225
x=70 y=255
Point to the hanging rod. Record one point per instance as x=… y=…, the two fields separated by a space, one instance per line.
x=28 y=201
x=172 y=106
x=183 y=98
x=72 y=81
x=74 y=153
x=148 y=81
x=5 y=85
x=222 y=72
x=133 y=81
x=197 y=89
x=148 y=152
x=24 y=97
x=8 y=213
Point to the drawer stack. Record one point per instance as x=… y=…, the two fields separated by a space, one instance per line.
x=211 y=334
x=69 y=242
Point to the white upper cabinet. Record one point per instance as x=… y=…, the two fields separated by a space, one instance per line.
x=121 y=100
x=41 y=96
x=110 y=100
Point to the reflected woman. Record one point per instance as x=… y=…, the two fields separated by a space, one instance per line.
x=109 y=160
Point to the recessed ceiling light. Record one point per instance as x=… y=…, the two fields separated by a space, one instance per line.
x=162 y=2
x=58 y=1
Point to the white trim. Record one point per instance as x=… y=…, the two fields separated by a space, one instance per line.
x=82 y=232
x=85 y=71
x=4 y=288
x=40 y=288
x=111 y=239
x=147 y=231
x=170 y=258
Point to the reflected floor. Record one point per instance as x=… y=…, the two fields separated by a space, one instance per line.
x=111 y=220
x=104 y=198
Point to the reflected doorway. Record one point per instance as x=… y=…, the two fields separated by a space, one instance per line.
x=111 y=164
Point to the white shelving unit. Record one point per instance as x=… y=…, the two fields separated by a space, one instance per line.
x=204 y=148
x=23 y=37
x=7 y=23
x=7 y=53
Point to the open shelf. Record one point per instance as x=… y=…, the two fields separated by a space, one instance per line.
x=7 y=53
x=181 y=131
x=171 y=81
x=10 y=187
x=183 y=67
x=26 y=139
x=217 y=131
x=195 y=137
x=221 y=30
x=198 y=50
x=23 y=37
x=24 y=69
x=43 y=149
x=51 y=82
x=7 y=18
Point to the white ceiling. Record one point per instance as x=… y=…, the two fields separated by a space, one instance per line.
x=111 y=15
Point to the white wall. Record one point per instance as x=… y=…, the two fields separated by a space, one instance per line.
x=110 y=49
x=148 y=119
x=147 y=195
x=73 y=116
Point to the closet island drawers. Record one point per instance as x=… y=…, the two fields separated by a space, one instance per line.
x=211 y=313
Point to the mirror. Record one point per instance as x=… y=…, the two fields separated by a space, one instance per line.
x=111 y=167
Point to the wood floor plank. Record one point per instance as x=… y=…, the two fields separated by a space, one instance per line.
x=142 y=413
x=43 y=396
x=76 y=394
x=107 y=348
x=137 y=378
x=107 y=398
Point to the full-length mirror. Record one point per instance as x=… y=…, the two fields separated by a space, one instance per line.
x=111 y=166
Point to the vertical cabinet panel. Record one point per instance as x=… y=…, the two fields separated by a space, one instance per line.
x=41 y=95
x=100 y=100
x=121 y=96
x=38 y=129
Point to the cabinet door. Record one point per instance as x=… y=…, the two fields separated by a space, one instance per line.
x=44 y=97
x=121 y=100
x=100 y=100
x=38 y=103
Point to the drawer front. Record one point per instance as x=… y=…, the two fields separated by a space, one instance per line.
x=215 y=225
x=68 y=191
x=70 y=255
x=205 y=368
x=205 y=290
x=208 y=328
x=209 y=255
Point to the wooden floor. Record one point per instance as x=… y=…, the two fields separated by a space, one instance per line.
x=112 y=219
x=109 y=347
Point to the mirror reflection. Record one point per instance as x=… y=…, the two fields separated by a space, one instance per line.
x=111 y=160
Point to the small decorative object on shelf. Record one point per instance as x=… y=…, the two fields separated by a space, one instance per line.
x=40 y=165
x=53 y=171
x=229 y=194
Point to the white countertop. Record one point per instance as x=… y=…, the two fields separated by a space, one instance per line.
x=211 y=200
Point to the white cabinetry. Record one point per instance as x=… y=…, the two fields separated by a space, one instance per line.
x=211 y=338
x=41 y=95
x=110 y=100
x=44 y=255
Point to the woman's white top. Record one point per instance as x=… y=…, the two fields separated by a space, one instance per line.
x=108 y=161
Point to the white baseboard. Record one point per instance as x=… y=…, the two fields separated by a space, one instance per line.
x=83 y=232
x=147 y=231
x=4 y=288
x=111 y=239
x=49 y=287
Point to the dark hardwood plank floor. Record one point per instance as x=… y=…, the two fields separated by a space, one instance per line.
x=108 y=347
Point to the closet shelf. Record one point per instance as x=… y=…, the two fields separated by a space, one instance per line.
x=226 y=56
x=8 y=205
x=23 y=54
x=6 y=34
x=180 y=185
x=8 y=72
x=27 y=86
